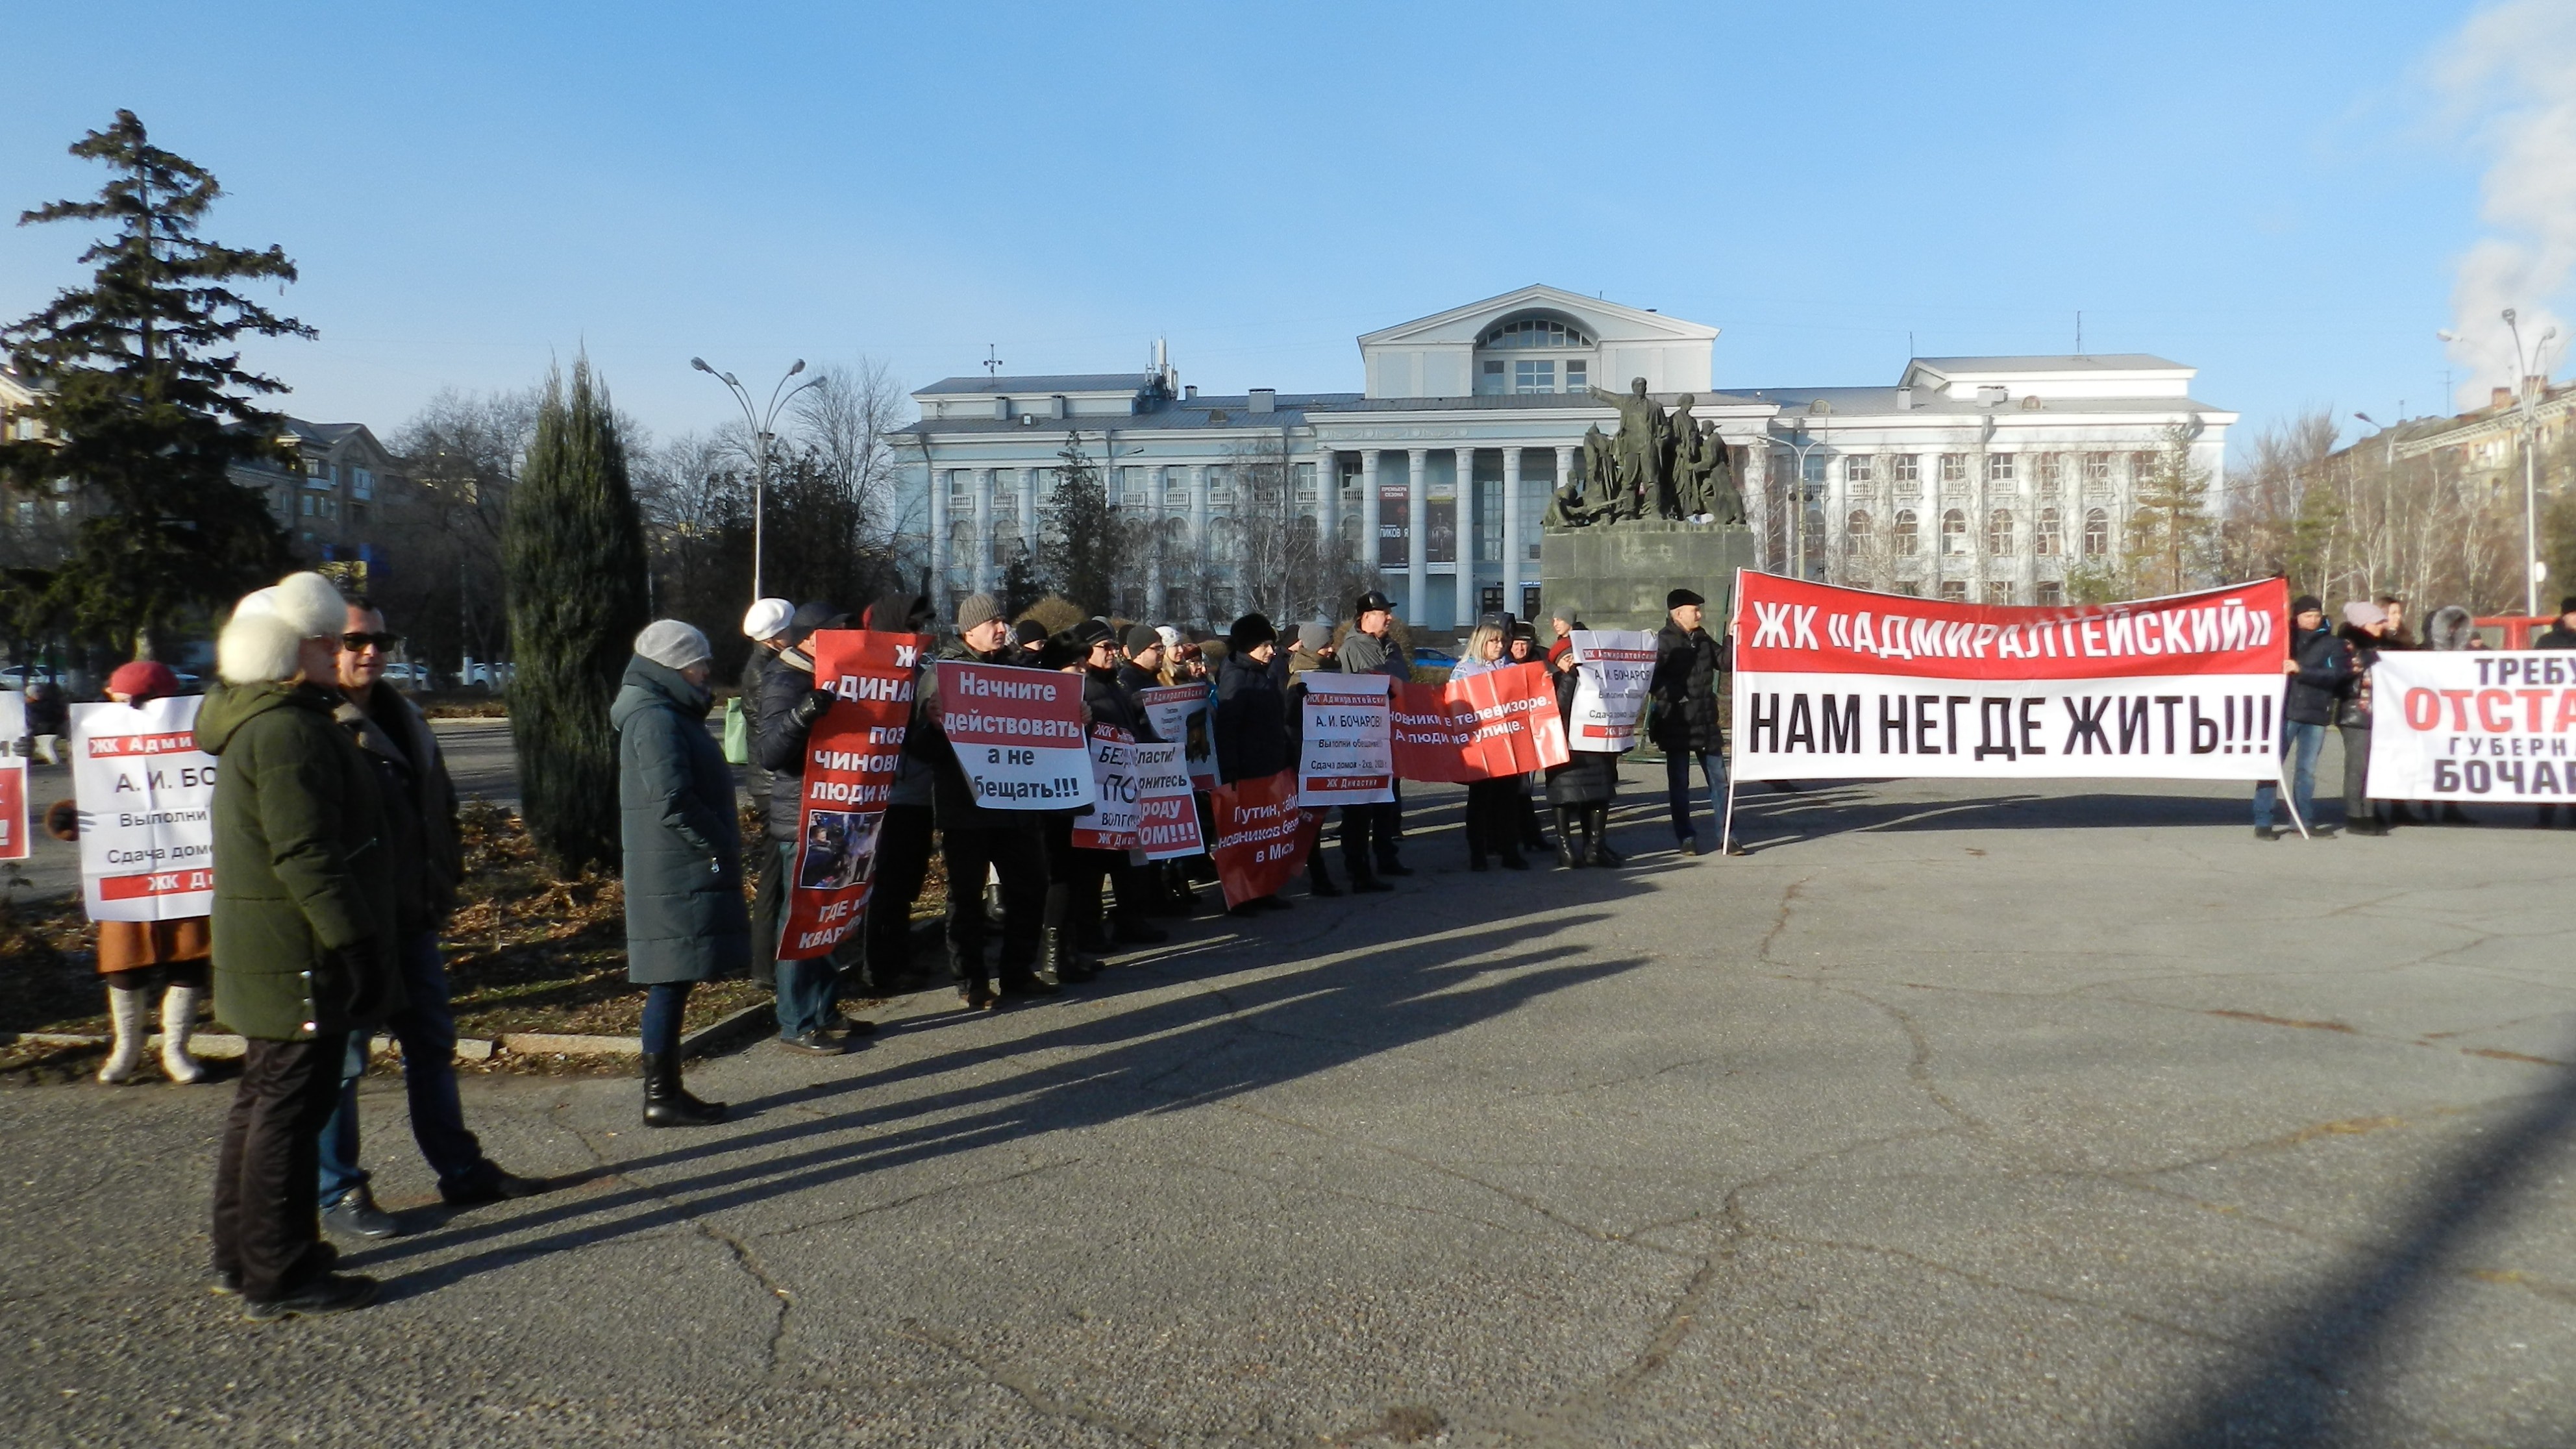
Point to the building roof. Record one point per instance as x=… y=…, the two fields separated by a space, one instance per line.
x=1121 y=382
x=1541 y=297
x=1877 y=401
x=2057 y=362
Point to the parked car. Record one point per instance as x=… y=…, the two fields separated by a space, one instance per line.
x=16 y=675
x=402 y=675
x=490 y=676
x=1426 y=657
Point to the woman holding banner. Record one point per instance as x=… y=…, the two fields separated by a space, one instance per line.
x=1493 y=816
x=1251 y=719
x=1582 y=787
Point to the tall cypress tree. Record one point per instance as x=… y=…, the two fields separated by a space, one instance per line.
x=143 y=400
x=574 y=559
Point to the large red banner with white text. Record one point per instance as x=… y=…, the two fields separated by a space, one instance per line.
x=1835 y=682
x=1500 y=722
x=1261 y=839
x=850 y=760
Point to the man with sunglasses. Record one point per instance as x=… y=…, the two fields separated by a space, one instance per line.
x=420 y=820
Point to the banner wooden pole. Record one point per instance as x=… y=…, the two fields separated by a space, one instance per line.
x=1726 y=827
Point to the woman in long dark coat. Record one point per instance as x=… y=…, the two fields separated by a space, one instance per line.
x=685 y=921
x=1582 y=787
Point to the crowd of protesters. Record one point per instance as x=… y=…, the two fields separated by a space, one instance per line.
x=336 y=853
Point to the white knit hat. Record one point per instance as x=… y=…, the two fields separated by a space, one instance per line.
x=768 y=619
x=262 y=641
x=673 y=644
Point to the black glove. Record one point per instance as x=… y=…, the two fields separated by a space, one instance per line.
x=811 y=708
x=365 y=980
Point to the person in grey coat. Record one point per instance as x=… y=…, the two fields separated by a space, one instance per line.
x=685 y=921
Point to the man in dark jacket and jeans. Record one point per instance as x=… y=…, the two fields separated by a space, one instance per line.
x=783 y=718
x=420 y=820
x=973 y=839
x=2319 y=669
x=304 y=924
x=1683 y=696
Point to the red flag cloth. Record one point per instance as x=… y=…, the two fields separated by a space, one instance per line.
x=1261 y=838
x=850 y=761
x=1500 y=722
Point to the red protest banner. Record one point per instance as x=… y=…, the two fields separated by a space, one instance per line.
x=850 y=761
x=1842 y=683
x=1500 y=722
x=1261 y=837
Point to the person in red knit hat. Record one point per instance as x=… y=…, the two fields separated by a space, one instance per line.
x=137 y=957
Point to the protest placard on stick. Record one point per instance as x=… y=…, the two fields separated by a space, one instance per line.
x=1346 y=757
x=146 y=795
x=1018 y=734
x=851 y=757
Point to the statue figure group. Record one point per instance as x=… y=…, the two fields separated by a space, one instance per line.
x=1658 y=465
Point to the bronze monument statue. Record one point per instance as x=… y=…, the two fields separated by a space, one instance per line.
x=1656 y=466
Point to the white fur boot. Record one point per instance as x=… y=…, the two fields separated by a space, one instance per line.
x=178 y=1023
x=126 y=1010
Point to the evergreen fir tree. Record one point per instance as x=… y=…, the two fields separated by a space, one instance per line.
x=1020 y=586
x=574 y=560
x=1082 y=543
x=142 y=399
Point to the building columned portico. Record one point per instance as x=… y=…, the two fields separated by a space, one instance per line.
x=1971 y=477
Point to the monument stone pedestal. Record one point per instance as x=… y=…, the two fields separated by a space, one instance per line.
x=1619 y=573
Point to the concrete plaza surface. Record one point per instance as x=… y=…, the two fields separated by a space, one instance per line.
x=2055 y=1115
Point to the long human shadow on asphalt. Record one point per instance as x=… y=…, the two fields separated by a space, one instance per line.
x=1845 y=807
x=1381 y=989
x=2300 y=1390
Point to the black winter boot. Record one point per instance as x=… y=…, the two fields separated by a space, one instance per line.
x=1060 y=960
x=1569 y=839
x=1319 y=876
x=667 y=1103
x=1597 y=818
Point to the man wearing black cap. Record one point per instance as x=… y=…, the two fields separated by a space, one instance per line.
x=1370 y=832
x=2562 y=634
x=2319 y=670
x=1682 y=704
x=1251 y=717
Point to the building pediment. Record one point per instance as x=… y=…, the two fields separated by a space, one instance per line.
x=1598 y=318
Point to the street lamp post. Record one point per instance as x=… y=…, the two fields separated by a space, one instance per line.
x=1798 y=504
x=760 y=424
x=2388 y=485
x=2523 y=379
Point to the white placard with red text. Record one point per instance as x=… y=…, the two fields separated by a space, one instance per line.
x=1833 y=682
x=2495 y=727
x=1018 y=734
x=1617 y=668
x=146 y=795
x=1346 y=757
x=1111 y=825
x=1167 y=807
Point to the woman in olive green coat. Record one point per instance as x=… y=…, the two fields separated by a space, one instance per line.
x=303 y=934
x=685 y=919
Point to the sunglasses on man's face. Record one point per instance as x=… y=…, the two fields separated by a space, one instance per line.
x=358 y=643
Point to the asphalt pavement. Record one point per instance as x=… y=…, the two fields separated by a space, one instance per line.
x=2057 y=1115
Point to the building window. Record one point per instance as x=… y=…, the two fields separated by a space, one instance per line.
x=1855 y=530
x=1306 y=483
x=2097 y=533
x=2142 y=468
x=1856 y=468
x=1954 y=533
x=1954 y=591
x=2097 y=469
x=2051 y=594
x=2052 y=534
x=1534 y=332
x=362 y=483
x=1999 y=532
x=308 y=505
x=1489 y=521
x=1578 y=376
x=1954 y=467
x=1489 y=378
x=1998 y=592
x=1906 y=533
x=2051 y=471
x=1533 y=375
x=1910 y=588
x=1814 y=468
x=1999 y=467
x=1905 y=469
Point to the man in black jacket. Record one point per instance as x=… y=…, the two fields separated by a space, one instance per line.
x=1683 y=696
x=2319 y=669
x=2562 y=634
x=1111 y=703
x=975 y=840
x=1251 y=718
x=783 y=717
x=1370 y=832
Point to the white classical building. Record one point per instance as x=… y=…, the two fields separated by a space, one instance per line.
x=1971 y=477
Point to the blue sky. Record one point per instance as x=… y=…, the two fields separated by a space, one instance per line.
x=2277 y=193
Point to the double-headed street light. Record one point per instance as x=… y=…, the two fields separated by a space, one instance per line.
x=760 y=424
